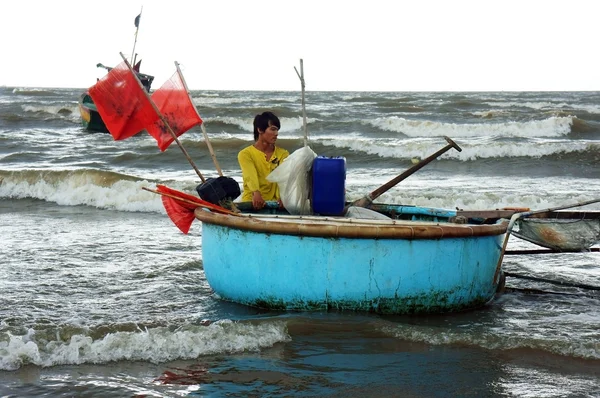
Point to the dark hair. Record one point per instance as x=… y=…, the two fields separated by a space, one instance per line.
x=263 y=121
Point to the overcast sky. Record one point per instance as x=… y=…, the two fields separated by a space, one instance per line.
x=396 y=45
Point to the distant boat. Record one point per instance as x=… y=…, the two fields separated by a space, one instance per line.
x=90 y=118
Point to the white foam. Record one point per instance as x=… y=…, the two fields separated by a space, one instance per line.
x=497 y=339
x=84 y=189
x=532 y=105
x=54 y=111
x=474 y=149
x=288 y=124
x=551 y=127
x=152 y=345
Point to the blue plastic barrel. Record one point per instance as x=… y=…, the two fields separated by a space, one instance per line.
x=329 y=185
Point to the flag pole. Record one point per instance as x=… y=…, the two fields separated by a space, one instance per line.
x=164 y=120
x=137 y=28
x=208 y=144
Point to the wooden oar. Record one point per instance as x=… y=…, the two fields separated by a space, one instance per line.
x=367 y=200
x=517 y=216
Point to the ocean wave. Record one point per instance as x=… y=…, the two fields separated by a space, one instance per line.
x=119 y=192
x=471 y=150
x=288 y=124
x=561 y=107
x=551 y=127
x=100 y=189
x=13 y=117
x=215 y=101
x=155 y=345
x=466 y=191
x=526 y=104
x=30 y=91
x=59 y=111
x=549 y=342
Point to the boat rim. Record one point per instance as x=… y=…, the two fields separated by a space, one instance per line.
x=338 y=227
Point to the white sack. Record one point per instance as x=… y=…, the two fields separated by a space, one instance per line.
x=365 y=214
x=293 y=178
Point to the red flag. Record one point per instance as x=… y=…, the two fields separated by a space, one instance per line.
x=175 y=104
x=122 y=103
x=181 y=212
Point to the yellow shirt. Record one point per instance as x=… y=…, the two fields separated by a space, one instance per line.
x=255 y=169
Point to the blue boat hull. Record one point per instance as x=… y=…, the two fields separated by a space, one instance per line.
x=387 y=276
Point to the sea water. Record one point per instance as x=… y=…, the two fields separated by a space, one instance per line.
x=101 y=295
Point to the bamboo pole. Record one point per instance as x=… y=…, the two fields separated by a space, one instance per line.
x=208 y=144
x=164 y=120
x=210 y=206
x=304 y=123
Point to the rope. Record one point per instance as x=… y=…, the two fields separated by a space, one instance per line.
x=550 y=251
x=539 y=291
x=561 y=283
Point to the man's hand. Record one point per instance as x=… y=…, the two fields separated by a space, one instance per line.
x=257 y=200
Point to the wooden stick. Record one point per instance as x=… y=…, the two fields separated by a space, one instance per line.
x=536 y=279
x=301 y=76
x=208 y=144
x=216 y=208
x=210 y=149
x=587 y=202
x=164 y=120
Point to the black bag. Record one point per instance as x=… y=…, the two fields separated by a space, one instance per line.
x=214 y=190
